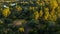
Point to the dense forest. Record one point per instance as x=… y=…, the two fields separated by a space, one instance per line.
x=30 y=17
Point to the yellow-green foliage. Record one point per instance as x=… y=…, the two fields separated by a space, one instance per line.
x=58 y=11
x=18 y=8
x=53 y=4
x=46 y=14
x=36 y=15
x=21 y=29
x=30 y=17
x=53 y=16
x=31 y=8
x=6 y=12
x=40 y=13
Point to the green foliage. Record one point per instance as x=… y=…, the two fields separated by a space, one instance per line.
x=30 y=17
